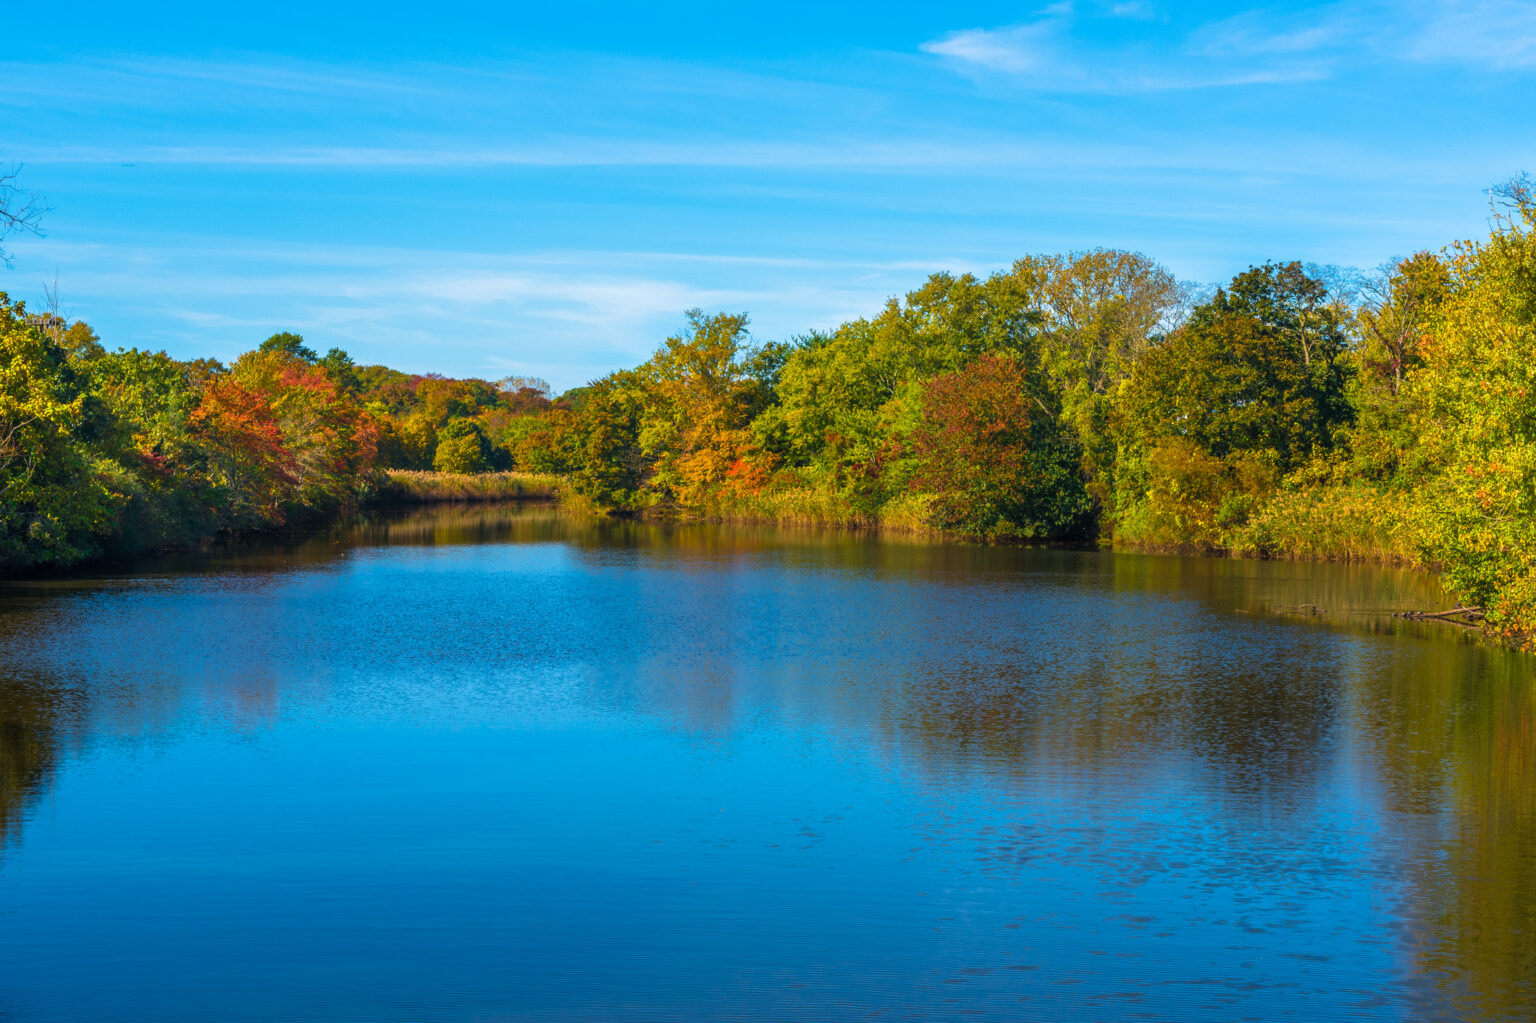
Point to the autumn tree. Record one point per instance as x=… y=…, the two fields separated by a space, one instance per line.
x=848 y=400
x=698 y=401
x=994 y=458
x=246 y=464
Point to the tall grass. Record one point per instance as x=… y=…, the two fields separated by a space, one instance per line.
x=810 y=506
x=406 y=487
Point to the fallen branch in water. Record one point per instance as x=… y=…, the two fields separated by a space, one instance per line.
x=1468 y=616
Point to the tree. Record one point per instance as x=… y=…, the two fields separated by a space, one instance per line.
x=290 y=344
x=1474 y=412
x=1100 y=311
x=608 y=463
x=53 y=505
x=462 y=448
x=244 y=460
x=1257 y=368
x=81 y=343
x=1399 y=301
x=1252 y=387
x=341 y=368
x=844 y=399
x=994 y=458
x=21 y=211
x=325 y=445
x=697 y=403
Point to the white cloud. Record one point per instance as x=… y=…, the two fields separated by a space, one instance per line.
x=1019 y=50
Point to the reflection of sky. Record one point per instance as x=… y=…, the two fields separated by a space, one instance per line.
x=494 y=188
x=597 y=780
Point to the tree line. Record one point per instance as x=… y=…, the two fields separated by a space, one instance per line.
x=1084 y=397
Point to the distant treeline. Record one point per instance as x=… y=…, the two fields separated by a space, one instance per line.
x=1297 y=412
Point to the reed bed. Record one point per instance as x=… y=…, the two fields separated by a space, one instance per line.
x=809 y=507
x=408 y=487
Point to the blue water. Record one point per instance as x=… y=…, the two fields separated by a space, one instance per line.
x=501 y=765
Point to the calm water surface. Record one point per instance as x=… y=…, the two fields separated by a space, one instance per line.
x=498 y=765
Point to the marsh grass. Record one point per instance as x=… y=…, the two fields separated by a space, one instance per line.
x=807 y=506
x=408 y=487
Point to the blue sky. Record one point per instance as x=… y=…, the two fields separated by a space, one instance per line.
x=484 y=190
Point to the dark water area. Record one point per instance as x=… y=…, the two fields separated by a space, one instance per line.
x=493 y=764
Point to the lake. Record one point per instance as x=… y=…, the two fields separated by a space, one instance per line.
x=501 y=764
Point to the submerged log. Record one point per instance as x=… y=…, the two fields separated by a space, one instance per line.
x=1471 y=617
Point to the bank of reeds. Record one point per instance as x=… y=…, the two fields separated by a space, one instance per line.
x=809 y=507
x=407 y=487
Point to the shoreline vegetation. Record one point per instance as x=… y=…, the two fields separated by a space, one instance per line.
x=1087 y=398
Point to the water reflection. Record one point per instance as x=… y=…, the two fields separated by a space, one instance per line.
x=1137 y=777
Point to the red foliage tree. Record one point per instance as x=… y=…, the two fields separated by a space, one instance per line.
x=993 y=457
x=246 y=461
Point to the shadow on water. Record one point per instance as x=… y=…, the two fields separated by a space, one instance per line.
x=1082 y=680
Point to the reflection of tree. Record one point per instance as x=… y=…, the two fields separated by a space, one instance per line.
x=1461 y=744
x=1261 y=719
x=33 y=715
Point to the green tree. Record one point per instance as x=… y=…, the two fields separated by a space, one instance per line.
x=1475 y=416
x=1100 y=311
x=289 y=344
x=608 y=464
x=462 y=448
x=1259 y=368
x=1209 y=421
x=54 y=507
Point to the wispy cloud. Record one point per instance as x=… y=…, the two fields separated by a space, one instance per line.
x=1498 y=34
x=568 y=315
x=1489 y=35
x=967 y=154
x=1021 y=49
x=1054 y=53
x=1133 y=9
x=1057 y=50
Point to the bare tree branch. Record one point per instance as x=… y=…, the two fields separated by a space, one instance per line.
x=21 y=211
